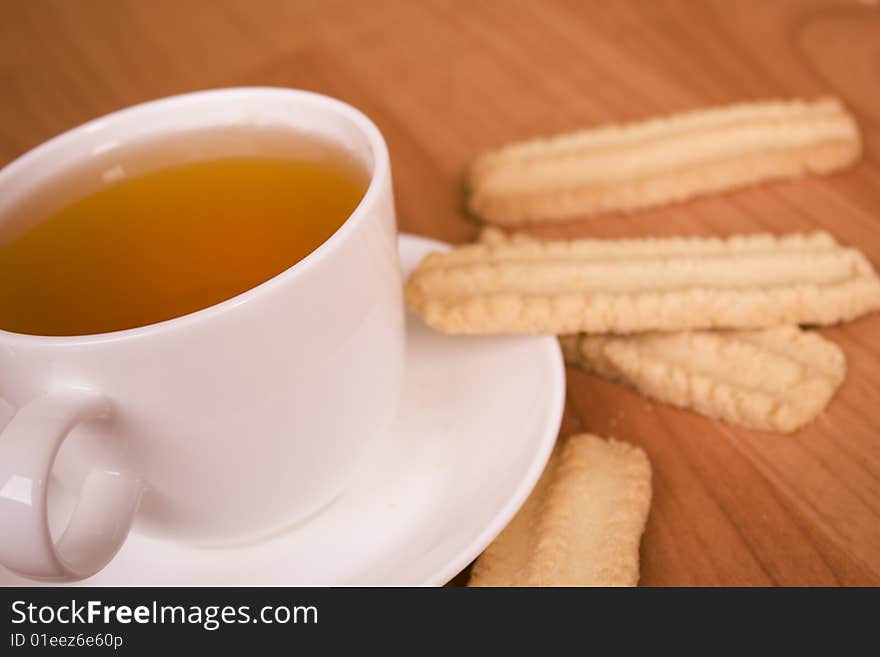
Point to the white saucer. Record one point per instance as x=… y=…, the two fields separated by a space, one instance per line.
x=478 y=420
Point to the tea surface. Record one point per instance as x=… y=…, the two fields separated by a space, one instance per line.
x=171 y=242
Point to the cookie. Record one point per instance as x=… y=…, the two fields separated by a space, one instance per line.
x=775 y=379
x=582 y=524
x=521 y=285
x=663 y=160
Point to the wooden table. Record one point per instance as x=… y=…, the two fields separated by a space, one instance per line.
x=445 y=80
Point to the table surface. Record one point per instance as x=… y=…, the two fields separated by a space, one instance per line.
x=445 y=80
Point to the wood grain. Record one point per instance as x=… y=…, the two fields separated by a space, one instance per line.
x=447 y=79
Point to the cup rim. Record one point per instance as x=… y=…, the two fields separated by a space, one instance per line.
x=378 y=178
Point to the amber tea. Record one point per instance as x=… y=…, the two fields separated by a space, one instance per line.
x=162 y=244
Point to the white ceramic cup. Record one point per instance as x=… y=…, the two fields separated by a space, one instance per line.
x=219 y=426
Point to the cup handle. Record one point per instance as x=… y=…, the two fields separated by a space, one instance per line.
x=104 y=511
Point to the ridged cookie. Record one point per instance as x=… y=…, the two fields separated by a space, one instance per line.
x=582 y=524
x=659 y=161
x=773 y=379
x=626 y=286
